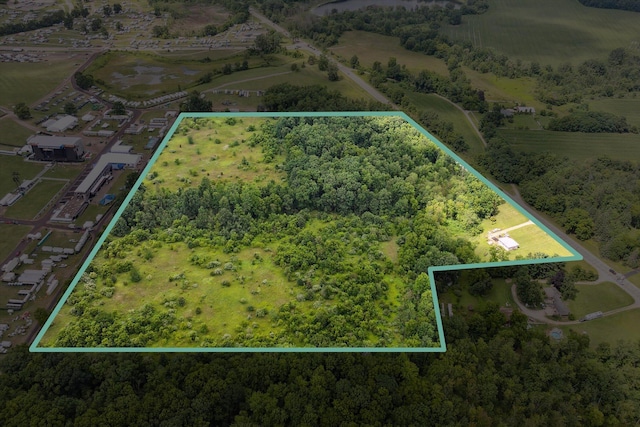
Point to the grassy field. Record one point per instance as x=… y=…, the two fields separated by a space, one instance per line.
x=448 y=112
x=182 y=164
x=64 y=171
x=24 y=82
x=10 y=164
x=11 y=234
x=549 y=31
x=601 y=297
x=621 y=326
x=533 y=239
x=13 y=134
x=500 y=294
x=575 y=145
x=360 y=43
x=29 y=205
x=625 y=107
x=503 y=89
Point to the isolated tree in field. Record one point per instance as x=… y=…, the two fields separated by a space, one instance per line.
x=267 y=43
x=106 y=9
x=16 y=178
x=22 y=111
x=41 y=315
x=68 y=22
x=117 y=8
x=70 y=108
x=354 y=61
x=323 y=63
x=118 y=109
x=96 y=24
x=84 y=81
x=332 y=73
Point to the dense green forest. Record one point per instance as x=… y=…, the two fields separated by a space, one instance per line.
x=590 y=122
x=364 y=206
x=494 y=373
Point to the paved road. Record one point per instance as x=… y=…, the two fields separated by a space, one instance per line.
x=344 y=69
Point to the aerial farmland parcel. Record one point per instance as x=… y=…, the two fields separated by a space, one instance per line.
x=281 y=232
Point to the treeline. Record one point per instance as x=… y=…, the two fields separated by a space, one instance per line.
x=632 y=5
x=493 y=373
x=596 y=199
x=288 y=97
x=590 y=122
x=48 y=20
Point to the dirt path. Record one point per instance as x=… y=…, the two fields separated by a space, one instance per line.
x=468 y=116
x=246 y=80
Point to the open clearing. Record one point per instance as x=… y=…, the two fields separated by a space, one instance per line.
x=601 y=297
x=575 y=145
x=25 y=82
x=11 y=164
x=12 y=134
x=625 y=107
x=449 y=113
x=548 y=31
x=502 y=89
x=29 y=205
x=360 y=43
x=11 y=234
x=621 y=326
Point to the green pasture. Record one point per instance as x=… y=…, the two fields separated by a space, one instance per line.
x=575 y=145
x=548 y=31
x=371 y=47
x=505 y=90
x=625 y=107
x=12 y=134
x=11 y=235
x=620 y=326
x=28 y=206
x=526 y=122
x=25 y=82
x=65 y=171
x=601 y=297
x=448 y=112
x=11 y=164
x=182 y=164
x=533 y=239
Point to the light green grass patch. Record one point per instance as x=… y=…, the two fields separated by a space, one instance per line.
x=11 y=235
x=28 y=206
x=502 y=89
x=12 y=134
x=533 y=239
x=24 y=82
x=371 y=47
x=448 y=112
x=575 y=145
x=601 y=297
x=621 y=326
x=11 y=164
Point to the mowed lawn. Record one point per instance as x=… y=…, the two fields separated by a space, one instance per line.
x=575 y=145
x=11 y=164
x=621 y=326
x=29 y=205
x=25 y=82
x=601 y=297
x=370 y=47
x=11 y=235
x=449 y=113
x=12 y=134
x=549 y=31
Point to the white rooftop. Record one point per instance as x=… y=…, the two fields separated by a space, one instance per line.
x=104 y=161
x=47 y=141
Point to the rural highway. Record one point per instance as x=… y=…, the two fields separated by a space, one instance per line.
x=345 y=70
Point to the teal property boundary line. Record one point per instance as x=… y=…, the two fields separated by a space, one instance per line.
x=575 y=256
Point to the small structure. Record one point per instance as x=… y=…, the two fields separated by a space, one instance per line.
x=508 y=243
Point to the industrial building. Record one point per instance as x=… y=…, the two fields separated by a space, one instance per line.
x=56 y=148
x=101 y=172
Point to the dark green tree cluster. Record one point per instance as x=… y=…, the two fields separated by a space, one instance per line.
x=631 y=5
x=47 y=20
x=493 y=373
x=288 y=97
x=590 y=122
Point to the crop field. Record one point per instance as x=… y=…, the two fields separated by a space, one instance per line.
x=24 y=82
x=37 y=198
x=360 y=43
x=549 y=31
x=621 y=326
x=601 y=297
x=575 y=145
x=448 y=112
